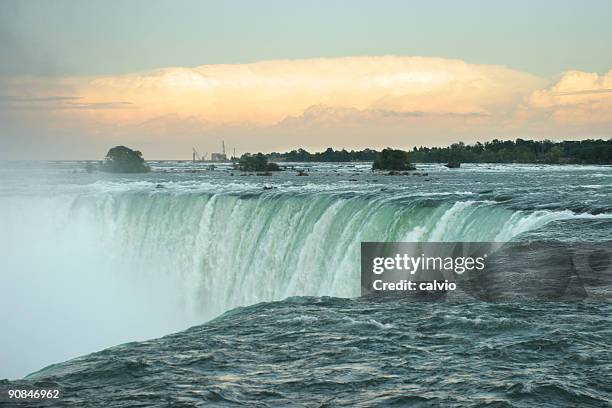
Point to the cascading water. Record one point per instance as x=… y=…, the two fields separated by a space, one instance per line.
x=88 y=263
x=226 y=250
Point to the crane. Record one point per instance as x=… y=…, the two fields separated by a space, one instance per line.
x=196 y=156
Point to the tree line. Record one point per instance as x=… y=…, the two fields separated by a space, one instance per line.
x=329 y=155
x=590 y=151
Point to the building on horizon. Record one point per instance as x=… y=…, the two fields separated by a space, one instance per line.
x=218 y=157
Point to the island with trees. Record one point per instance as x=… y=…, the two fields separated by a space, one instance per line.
x=121 y=159
x=392 y=159
x=256 y=162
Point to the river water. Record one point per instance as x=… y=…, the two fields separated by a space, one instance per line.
x=93 y=260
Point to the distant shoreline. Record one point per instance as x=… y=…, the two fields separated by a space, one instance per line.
x=519 y=151
x=281 y=162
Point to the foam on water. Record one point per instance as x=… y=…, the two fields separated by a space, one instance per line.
x=226 y=250
x=121 y=259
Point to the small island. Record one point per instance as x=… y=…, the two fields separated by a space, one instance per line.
x=256 y=162
x=392 y=159
x=121 y=159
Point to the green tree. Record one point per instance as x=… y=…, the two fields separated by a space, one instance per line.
x=256 y=162
x=392 y=159
x=121 y=159
x=553 y=155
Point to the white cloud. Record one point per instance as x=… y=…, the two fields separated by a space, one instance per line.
x=282 y=104
x=269 y=91
x=576 y=98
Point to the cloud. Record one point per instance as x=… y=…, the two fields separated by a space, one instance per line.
x=586 y=92
x=8 y=102
x=268 y=92
x=314 y=103
x=576 y=98
x=324 y=115
x=38 y=99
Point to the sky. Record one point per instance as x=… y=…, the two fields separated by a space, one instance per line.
x=162 y=76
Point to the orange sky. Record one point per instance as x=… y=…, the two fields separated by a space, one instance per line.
x=314 y=103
